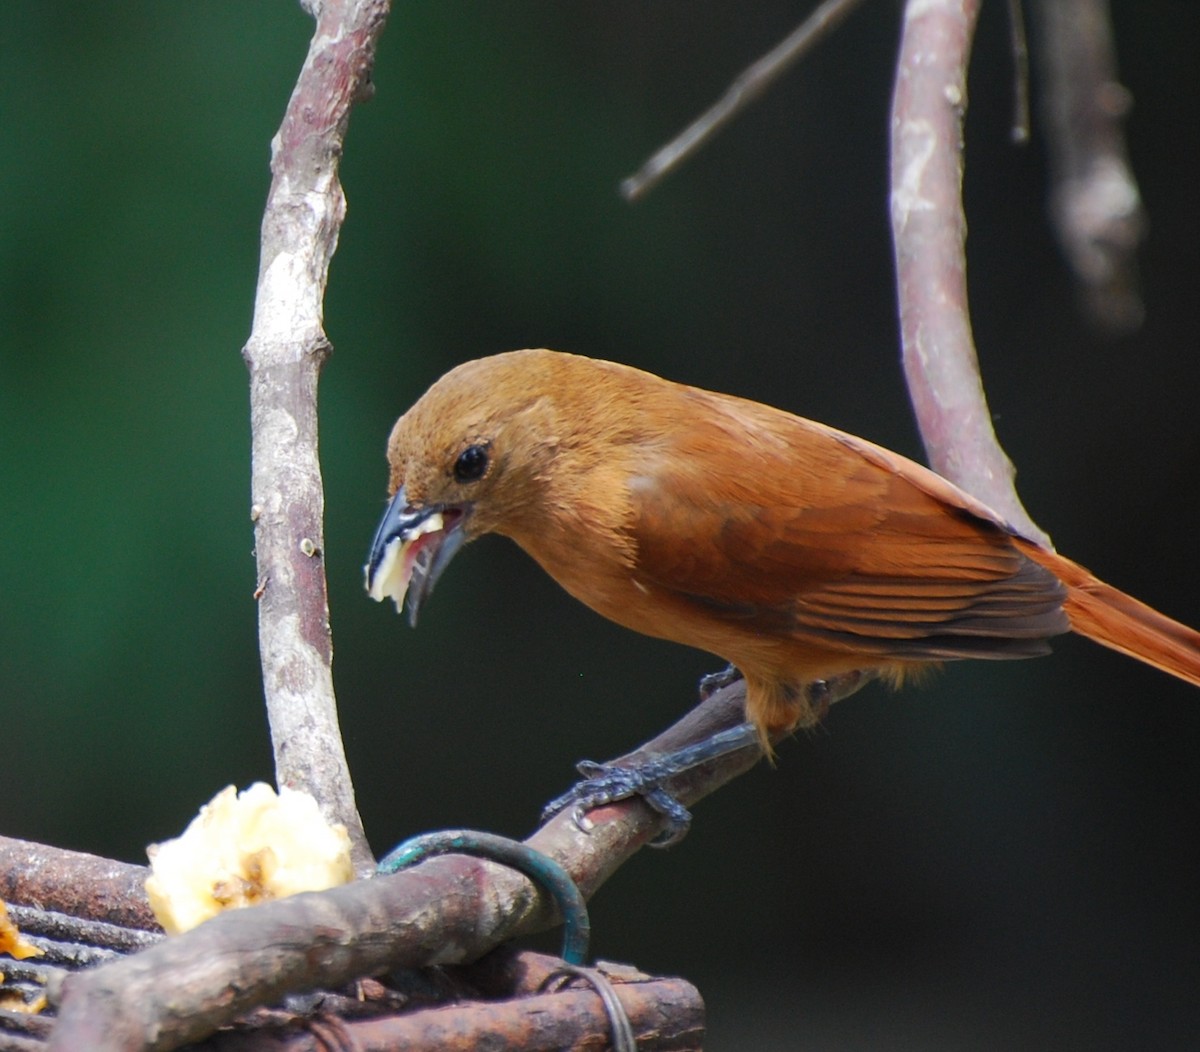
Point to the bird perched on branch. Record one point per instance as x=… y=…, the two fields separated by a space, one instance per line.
x=796 y=552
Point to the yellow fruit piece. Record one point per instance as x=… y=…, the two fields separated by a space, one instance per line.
x=242 y=849
x=12 y=941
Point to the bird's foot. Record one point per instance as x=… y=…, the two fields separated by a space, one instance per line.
x=606 y=783
x=715 y=681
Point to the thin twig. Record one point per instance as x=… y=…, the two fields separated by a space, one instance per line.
x=929 y=232
x=751 y=83
x=286 y=350
x=1020 y=53
x=1094 y=198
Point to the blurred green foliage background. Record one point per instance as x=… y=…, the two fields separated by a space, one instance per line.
x=1006 y=856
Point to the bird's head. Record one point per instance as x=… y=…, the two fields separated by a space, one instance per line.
x=470 y=457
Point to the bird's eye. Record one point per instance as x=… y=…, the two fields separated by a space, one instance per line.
x=471 y=464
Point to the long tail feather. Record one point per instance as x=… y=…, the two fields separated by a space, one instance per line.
x=1118 y=621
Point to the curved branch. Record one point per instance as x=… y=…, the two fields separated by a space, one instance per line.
x=929 y=231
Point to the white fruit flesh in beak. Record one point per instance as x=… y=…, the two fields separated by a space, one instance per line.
x=394 y=572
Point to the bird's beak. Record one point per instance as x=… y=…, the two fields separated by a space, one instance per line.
x=411 y=549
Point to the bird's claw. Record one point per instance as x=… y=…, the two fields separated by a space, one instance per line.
x=607 y=783
x=714 y=681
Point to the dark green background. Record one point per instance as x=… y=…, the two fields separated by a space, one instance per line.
x=1006 y=856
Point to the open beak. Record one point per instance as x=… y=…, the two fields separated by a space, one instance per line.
x=411 y=549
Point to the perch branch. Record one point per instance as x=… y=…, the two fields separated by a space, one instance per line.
x=446 y=910
x=747 y=87
x=929 y=232
x=287 y=347
x=1094 y=199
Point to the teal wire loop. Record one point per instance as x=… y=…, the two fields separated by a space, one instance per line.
x=539 y=868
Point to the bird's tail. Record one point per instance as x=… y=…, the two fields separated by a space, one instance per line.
x=1118 y=621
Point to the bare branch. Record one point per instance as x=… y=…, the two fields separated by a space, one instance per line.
x=929 y=232
x=748 y=86
x=1094 y=200
x=73 y=882
x=287 y=347
x=666 y=1014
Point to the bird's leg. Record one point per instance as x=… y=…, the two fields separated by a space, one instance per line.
x=713 y=729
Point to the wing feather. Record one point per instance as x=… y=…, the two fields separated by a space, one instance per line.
x=783 y=526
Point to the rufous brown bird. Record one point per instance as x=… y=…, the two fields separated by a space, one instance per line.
x=794 y=551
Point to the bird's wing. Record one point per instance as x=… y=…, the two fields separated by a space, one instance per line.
x=790 y=528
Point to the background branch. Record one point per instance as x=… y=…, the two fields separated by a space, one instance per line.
x=1094 y=198
x=1020 y=52
x=747 y=87
x=287 y=347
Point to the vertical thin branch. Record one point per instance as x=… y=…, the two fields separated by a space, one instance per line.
x=287 y=347
x=1094 y=199
x=929 y=231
